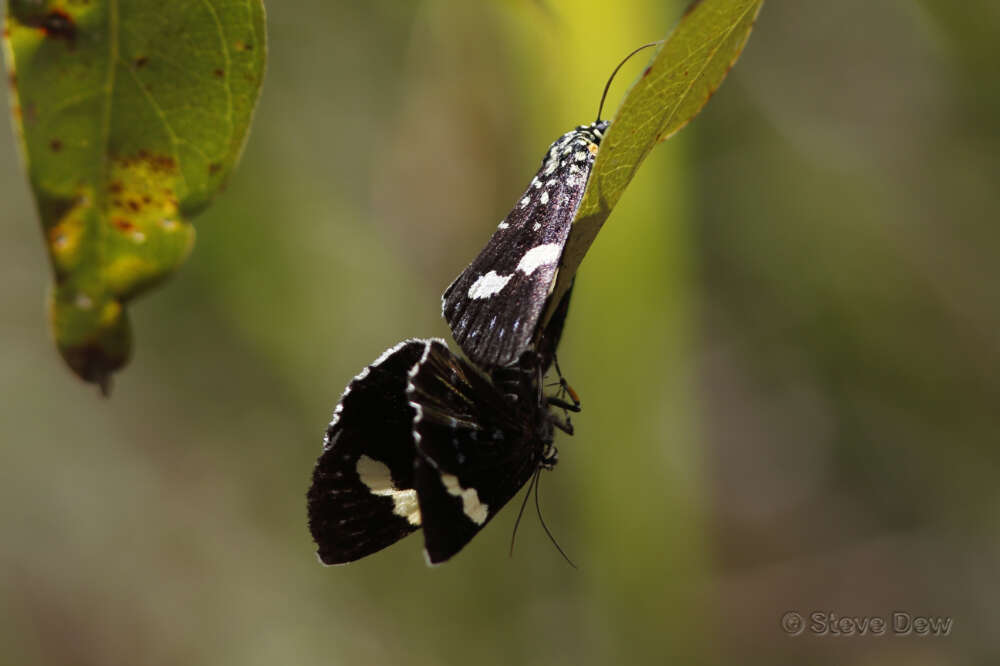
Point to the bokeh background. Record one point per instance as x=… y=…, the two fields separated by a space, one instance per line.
x=785 y=340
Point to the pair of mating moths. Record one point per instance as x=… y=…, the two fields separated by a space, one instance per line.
x=425 y=438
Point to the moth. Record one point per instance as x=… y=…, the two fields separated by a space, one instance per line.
x=422 y=438
x=495 y=305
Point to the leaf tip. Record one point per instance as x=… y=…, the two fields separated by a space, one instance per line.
x=93 y=337
x=93 y=364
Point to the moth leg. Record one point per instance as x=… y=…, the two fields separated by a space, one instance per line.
x=564 y=389
x=562 y=404
x=566 y=426
x=550 y=456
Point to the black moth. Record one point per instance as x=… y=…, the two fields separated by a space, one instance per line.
x=422 y=438
x=425 y=439
x=493 y=307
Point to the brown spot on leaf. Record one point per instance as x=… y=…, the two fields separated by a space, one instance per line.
x=213 y=168
x=115 y=186
x=218 y=73
x=135 y=205
x=12 y=80
x=55 y=145
x=164 y=163
x=123 y=224
x=243 y=46
x=93 y=364
x=140 y=61
x=146 y=199
x=57 y=24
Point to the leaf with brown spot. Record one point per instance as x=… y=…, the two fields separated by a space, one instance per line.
x=684 y=73
x=126 y=133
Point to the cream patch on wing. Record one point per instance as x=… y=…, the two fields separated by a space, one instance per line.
x=377 y=478
x=471 y=506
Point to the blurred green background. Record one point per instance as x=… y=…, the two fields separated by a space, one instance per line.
x=785 y=340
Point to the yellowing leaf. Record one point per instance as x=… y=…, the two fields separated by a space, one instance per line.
x=130 y=115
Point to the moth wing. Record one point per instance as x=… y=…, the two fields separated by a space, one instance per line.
x=476 y=447
x=362 y=497
x=493 y=307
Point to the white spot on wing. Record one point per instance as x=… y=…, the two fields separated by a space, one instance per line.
x=335 y=418
x=525 y=201
x=471 y=506
x=488 y=284
x=541 y=255
x=545 y=198
x=376 y=477
x=417 y=418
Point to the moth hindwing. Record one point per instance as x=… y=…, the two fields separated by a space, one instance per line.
x=494 y=306
x=362 y=497
x=478 y=442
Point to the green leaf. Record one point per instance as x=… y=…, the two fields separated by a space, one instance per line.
x=684 y=73
x=130 y=116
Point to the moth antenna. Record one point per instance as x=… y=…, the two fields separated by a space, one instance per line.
x=520 y=512
x=545 y=527
x=611 y=78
